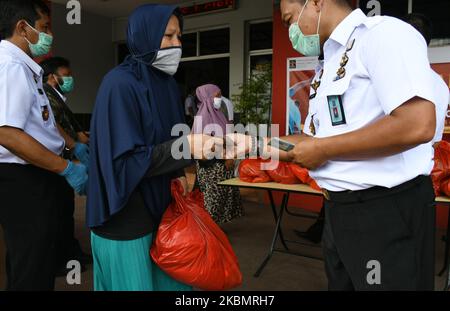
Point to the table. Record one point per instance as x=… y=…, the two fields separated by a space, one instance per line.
x=307 y=190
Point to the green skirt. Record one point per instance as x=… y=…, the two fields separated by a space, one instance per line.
x=127 y=266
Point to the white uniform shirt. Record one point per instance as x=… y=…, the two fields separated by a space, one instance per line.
x=388 y=65
x=23 y=103
x=442 y=102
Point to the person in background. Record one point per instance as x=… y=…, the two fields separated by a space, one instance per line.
x=131 y=166
x=58 y=83
x=31 y=166
x=223 y=203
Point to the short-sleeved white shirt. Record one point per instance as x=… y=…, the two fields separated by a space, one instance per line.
x=23 y=103
x=442 y=102
x=388 y=65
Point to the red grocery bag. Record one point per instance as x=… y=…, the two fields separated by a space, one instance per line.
x=283 y=174
x=445 y=187
x=303 y=175
x=313 y=184
x=191 y=248
x=441 y=168
x=250 y=171
x=300 y=172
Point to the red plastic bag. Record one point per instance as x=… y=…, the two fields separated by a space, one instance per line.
x=250 y=171
x=283 y=174
x=191 y=248
x=445 y=187
x=441 y=168
x=303 y=175
x=313 y=184
x=300 y=172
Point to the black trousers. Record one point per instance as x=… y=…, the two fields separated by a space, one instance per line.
x=67 y=246
x=28 y=215
x=393 y=228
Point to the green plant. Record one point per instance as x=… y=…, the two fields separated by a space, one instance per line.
x=255 y=98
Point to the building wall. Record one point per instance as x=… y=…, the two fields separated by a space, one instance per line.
x=248 y=10
x=90 y=49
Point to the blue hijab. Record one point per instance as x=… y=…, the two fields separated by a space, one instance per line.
x=136 y=108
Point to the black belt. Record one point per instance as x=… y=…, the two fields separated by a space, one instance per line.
x=371 y=193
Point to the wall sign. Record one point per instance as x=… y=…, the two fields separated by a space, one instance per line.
x=209 y=7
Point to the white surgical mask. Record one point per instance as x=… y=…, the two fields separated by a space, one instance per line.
x=168 y=60
x=306 y=45
x=44 y=44
x=217 y=102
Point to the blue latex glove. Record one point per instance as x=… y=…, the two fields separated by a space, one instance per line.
x=77 y=177
x=81 y=152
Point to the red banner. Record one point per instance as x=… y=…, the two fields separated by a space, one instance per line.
x=212 y=6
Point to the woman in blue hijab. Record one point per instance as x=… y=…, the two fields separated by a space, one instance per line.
x=131 y=166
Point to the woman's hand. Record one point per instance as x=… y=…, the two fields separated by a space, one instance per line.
x=238 y=146
x=204 y=147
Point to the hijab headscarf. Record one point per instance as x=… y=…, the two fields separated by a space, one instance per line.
x=209 y=119
x=136 y=108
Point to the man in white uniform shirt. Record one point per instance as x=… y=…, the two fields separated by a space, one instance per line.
x=373 y=126
x=368 y=144
x=30 y=147
x=424 y=26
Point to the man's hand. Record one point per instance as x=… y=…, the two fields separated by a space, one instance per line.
x=184 y=184
x=204 y=147
x=308 y=154
x=77 y=177
x=81 y=152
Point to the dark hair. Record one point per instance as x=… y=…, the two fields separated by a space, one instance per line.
x=422 y=24
x=12 y=11
x=51 y=65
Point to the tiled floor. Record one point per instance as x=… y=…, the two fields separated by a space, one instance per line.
x=250 y=236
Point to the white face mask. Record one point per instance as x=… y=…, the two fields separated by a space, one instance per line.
x=168 y=60
x=217 y=102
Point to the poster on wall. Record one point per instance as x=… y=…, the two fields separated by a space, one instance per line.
x=300 y=72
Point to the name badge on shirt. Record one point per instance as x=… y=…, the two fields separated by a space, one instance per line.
x=336 y=110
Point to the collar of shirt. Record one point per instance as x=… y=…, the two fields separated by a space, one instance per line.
x=22 y=56
x=60 y=95
x=344 y=30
